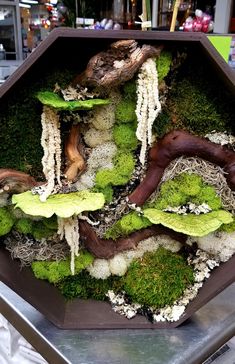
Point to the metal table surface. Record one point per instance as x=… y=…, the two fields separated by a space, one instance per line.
x=191 y=343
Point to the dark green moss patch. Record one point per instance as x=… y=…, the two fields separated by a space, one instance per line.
x=84 y=286
x=158 y=279
x=20 y=127
x=198 y=101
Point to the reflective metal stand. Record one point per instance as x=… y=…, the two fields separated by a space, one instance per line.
x=191 y=343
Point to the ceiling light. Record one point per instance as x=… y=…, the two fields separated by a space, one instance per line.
x=30 y=1
x=21 y=5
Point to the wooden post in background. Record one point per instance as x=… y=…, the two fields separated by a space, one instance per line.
x=174 y=16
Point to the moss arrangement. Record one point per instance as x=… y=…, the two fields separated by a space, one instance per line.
x=164 y=64
x=124 y=137
x=158 y=279
x=38 y=229
x=125 y=110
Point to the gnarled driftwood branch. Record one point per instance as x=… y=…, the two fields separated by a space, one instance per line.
x=76 y=163
x=107 y=248
x=174 y=145
x=116 y=65
x=12 y=181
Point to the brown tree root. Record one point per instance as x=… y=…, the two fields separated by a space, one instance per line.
x=76 y=163
x=174 y=145
x=107 y=248
x=12 y=181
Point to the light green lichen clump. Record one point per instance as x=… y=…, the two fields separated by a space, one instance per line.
x=184 y=189
x=158 y=278
x=125 y=137
x=56 y=271
x=121 y=173
x=127 y=225
x=163 y=64
x=125 y=111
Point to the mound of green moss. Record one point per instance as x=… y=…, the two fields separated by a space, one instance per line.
x=125 y=137
x=121 y=173
x=6 y=221
x=127 y=225
x=125 y=111
x=129 y=90
x=38 y=229
x=107 y=192
x=162 y=123
x=158 y=278
x=56 y=271
x=184 y=189
x=163 y=64
x=196 y=110
x=84 y=286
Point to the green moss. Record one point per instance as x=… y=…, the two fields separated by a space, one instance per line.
x=6 y=221
x=24 y=226
x=84 y=286
x=208 y=195
x=121 y=173
x=164 y=64
x=129 y=90
x=228 y=228
x=40 y=231
x=186 y=188
x=125 y=111
x=196 y=109
x=20 y=127
x=56 y=271
x=107 y=192
x=162 y=123
x=125 y=137
x=127 y=225
x=51 y=222
x=158 y=279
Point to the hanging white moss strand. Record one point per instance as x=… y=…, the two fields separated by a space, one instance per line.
x=69 y=229
x=148 y=105
x=51 y=144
